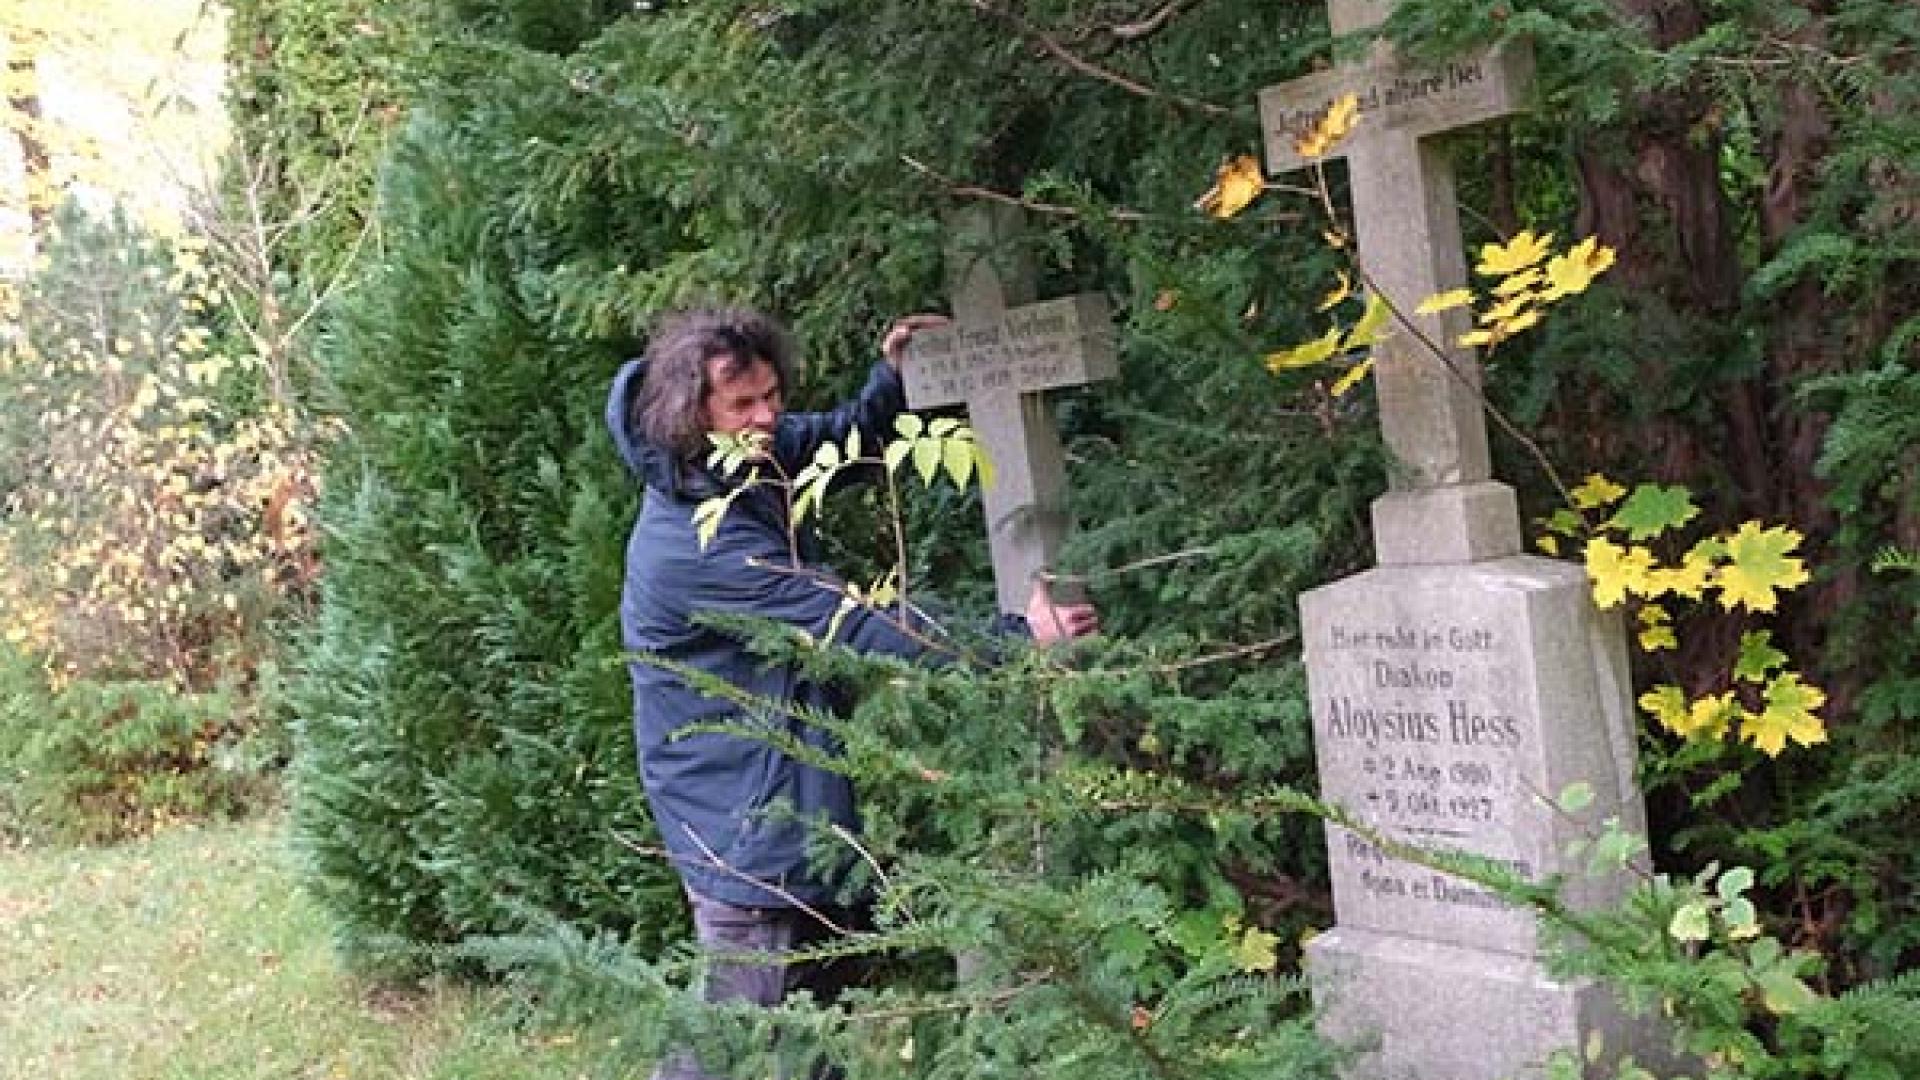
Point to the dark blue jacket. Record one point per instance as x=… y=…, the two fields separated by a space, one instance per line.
x=711 y=792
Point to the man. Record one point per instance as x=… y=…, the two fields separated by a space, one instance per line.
x=736 y=813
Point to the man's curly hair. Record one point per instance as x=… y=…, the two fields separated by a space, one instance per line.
x=670 y=411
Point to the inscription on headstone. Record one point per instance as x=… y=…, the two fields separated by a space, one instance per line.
x=1044 y=346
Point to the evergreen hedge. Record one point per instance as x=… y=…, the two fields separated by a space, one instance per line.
x=463 y=750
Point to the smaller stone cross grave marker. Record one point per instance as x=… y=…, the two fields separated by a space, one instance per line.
x=997 y=356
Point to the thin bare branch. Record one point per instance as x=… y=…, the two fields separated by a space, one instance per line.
x=1088 y=67
x=714 y=862
x=974 y=191
x=1152 y=24
x=1500 y=418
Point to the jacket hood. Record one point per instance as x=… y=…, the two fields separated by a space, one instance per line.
x=652 y=465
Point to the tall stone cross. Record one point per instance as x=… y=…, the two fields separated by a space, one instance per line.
x=1001 y=351
x=1459 y=687
x=1407 y=226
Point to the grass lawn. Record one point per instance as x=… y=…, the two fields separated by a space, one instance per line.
x=193 y=956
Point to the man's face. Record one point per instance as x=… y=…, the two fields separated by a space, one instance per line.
x=741 y=400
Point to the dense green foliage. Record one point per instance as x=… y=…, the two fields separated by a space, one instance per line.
x=561 y=181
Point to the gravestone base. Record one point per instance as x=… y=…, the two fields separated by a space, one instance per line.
x=1421 y=1010
x=1452 y=705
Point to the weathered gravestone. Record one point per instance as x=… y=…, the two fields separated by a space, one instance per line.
x=1461 y=686
x=996 y=358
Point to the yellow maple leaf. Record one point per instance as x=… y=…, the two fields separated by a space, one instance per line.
x=1574 y=270
x=1367 y=329
x=1788 y=716
x=1352 y=378
x=1445 y=301
x=1340 y=292
x=1477 y=337
x=1655 y=638
x=1656 y=629
x=1517 y=254
x=1517 y=283
x=1596 y=491
x=1758 y=567
x=1505 y=310
x=1668 y=705
x=1616 y=571
x=1524 y=320
x=1333 y=126
x=1307 y=355
x=1690 y=579
x=1709 y=716
x=1236 y=185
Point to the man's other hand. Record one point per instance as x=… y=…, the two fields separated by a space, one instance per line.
x=900 y=334
x=1053 y=622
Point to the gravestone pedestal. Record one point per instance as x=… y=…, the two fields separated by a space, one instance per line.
x=1452 y=704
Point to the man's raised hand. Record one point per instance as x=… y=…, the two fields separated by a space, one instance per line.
x=900 y=334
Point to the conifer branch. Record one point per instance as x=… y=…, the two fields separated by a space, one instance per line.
x=1091 y=69
x=715 y=862
x=901 y=622
x=958 y=1004
x=974 y=191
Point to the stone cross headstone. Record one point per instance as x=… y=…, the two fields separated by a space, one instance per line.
x=1461 y=687
x=1000 y=352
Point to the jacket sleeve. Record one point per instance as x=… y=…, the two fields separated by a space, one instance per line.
x=871 y=411
x=806 y=599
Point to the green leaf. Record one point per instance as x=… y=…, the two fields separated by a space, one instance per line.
x=1742 y=918
x=926 y=458
x=1758 y=657
x=1759 y=566
x=1307 y=355
x=807 y=501
x=1783 y=991
x=1616 y=847
x=853 y=444
x=943 y=426
x=1565 y=521
x=1576 y=797
x=1690 y=923
x=959 y=460
x=909 y=425
x=847 y=604
x=897 y=452
x=983 y=464
x=1256 y=951
x=707 y=517
x=1653 y=509
x=1367 y=330
x=827 y=456
x=1734 y=882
